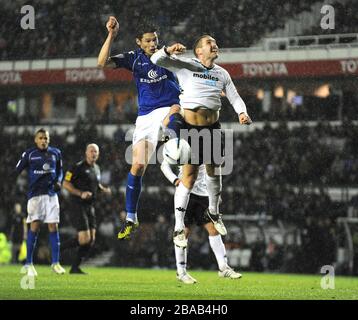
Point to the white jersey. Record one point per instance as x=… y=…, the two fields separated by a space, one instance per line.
x=199 y=187
x=202 y=87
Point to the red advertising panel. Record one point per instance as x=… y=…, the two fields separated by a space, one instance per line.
x=320 y=68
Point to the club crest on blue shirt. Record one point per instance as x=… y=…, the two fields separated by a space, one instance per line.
x=46 y=167
x=152 y=74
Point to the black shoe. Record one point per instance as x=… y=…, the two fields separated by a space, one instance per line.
x=77 y=271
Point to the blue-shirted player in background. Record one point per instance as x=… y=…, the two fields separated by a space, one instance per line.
x=158 y=103
x=44 y=166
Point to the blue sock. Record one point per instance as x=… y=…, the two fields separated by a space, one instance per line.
x=31 y=244
x=134 y=186
x=55 y=246
x=176 y=122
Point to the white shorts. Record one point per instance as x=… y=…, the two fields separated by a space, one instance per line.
x=43 y=208
x=148 y=127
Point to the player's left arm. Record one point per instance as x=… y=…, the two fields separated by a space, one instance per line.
x=236 y=101
x=59 y=172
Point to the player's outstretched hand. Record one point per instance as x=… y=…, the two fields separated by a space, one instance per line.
x=176 y=48
x=86 y=195
x=244 y=119
x=107 y=190
x=57 y=187
x=112 y=25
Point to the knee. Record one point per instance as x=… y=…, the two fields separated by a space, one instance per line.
x=35 y=226
x=35 y=229
x=211 y=229
x=52 y=227
x=189 y=182
x=84 y=240
x=176 y=108
x=138 y=169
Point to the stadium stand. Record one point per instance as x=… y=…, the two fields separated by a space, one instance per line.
x=63 y=30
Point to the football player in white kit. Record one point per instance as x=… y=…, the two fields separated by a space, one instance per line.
x=200 y=99
x=196 y=214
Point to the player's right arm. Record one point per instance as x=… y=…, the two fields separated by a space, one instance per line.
x=22 y=163
x=169 y=174
x=166 y=58
x=104 y=60
x=68 y=185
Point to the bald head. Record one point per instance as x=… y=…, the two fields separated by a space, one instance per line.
x=92 y=145
x=92 y=153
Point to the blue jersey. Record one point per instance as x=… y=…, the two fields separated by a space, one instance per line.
x=157 y=87
x=44 y=169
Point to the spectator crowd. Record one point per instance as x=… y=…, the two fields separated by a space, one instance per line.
x=278 y=171
x=68 y=28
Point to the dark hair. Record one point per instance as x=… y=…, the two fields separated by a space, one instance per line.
x=197 y=42
x=41 y=130
x=145 y=27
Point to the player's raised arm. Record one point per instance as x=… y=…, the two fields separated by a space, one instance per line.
x=166 y=58
x=103 y=57
x=236 y=101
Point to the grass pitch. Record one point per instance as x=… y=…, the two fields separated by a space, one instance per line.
x=148 y=284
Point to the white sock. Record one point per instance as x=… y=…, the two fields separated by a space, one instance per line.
x=214 y=186
x=218 y=247
x=181 y=199
x=181 y=259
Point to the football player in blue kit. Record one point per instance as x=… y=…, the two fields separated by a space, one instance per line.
x=158 y=107
x=44 y=167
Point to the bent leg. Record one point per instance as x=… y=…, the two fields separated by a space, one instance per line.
x=174 y=109
x=174 y=121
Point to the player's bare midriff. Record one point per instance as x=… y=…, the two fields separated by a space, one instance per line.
x=201 y=116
